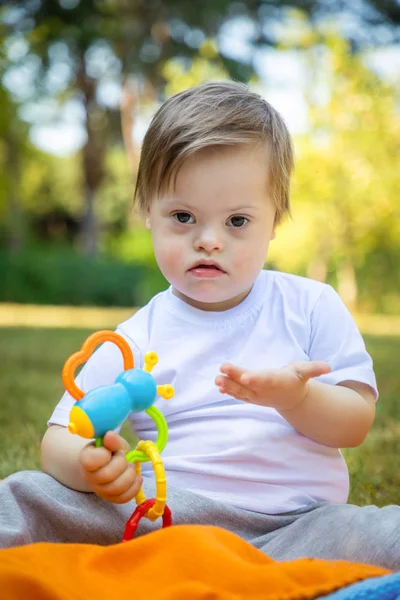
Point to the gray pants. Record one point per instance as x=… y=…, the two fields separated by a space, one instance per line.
x=35 y=507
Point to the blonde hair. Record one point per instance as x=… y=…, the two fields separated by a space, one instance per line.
x=206 y=116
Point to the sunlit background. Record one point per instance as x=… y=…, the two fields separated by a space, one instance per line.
x=79 y=82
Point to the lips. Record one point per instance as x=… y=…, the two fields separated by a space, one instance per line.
x=207 y=265
x=206 y=270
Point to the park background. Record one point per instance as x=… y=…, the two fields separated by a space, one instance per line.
x=79 y=82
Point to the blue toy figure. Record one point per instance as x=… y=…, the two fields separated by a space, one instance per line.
x=105 y=408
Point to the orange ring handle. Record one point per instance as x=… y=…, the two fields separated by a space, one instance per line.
x=80 y=357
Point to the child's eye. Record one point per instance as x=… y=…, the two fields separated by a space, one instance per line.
x=237 y=221
x=183 y=217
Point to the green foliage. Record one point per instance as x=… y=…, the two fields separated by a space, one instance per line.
x=345 y=194
x=375 y=477
x=13 y=147
x=346 y=227
x=203 y=68
x=48 y=183
x=61 y=277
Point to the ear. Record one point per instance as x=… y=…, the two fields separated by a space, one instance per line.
x=273 y=234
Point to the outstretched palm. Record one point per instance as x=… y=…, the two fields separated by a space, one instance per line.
x=282 y=389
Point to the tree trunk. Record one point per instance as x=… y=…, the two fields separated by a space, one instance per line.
x=133 y=94
x=346 y=274
x=317 y=269
x=89 y=225
x=347 y=284
x=129 y=107
x=93 y=154
x=15 y=215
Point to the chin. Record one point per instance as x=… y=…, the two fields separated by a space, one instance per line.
x=204 y=297
x=211 y=299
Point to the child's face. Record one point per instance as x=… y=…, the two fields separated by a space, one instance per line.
x=212 y=231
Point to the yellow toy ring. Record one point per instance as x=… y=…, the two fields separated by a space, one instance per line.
x=138 y=455
x=149 y=449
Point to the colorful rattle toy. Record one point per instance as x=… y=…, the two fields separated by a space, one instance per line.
x=105 y=408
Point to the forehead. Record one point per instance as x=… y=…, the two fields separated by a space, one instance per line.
x=235 y=171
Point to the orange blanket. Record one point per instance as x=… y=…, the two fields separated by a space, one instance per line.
x=186 y=562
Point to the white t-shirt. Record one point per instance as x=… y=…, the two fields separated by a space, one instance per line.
x=245 y=455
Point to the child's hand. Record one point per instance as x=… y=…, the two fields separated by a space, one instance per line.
x=108 y=472
x=282 y=389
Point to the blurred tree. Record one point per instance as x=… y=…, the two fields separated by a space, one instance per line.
x=382 y=18
x=50 y=192
x=347 y=179
x=13 y=146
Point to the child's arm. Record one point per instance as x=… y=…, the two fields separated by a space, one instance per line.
x=339 y=416
x=60 y=457
x=79 y=465
x=334 y=415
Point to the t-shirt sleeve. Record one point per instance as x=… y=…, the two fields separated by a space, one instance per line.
x=102 y=368
x=335 y=339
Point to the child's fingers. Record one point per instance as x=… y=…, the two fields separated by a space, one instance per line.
x=129 y=494
x=232 y=371
x=109 y=472
x=120 y=485
x=231 y=387
x=307 y=370
x=259 y=379
x=114 y=442
x=251 y=380
x=92 y=459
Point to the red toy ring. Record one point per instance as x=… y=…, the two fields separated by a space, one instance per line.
x=141 y=510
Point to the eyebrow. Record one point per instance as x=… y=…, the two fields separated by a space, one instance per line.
x=233 y=209
x=243 y=208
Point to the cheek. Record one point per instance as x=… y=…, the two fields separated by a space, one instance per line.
x=251 y=256
x=169 y=255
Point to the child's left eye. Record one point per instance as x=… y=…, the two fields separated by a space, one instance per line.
x=237 y=221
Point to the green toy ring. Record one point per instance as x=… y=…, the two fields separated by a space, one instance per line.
x=162 y=436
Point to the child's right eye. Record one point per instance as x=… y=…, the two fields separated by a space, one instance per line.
x=183 y=217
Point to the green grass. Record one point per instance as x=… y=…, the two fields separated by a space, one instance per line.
x=30 y=385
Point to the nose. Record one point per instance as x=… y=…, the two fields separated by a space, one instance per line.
x=209 y=240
